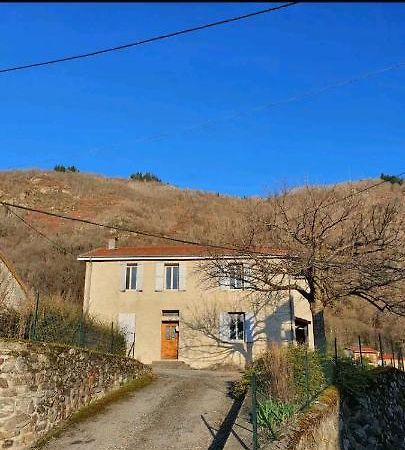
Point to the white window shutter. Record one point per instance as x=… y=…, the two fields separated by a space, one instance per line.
x=224 y=326
x=249 y=327
x=182 y=276
x=123 y=280
x=159 y=276
x=139 y=277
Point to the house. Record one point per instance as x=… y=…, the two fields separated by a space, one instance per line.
x=13 y=293
x=158 y=296
x=367 y=353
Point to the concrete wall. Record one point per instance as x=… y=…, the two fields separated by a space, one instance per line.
x=273 y=322
x=42 y=384
x=12 y=292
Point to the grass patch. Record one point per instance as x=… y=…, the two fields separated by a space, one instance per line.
x=94 y=408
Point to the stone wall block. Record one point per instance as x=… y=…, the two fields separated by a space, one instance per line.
x=41 y=385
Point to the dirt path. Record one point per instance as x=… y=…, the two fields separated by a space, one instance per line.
x=182 y=409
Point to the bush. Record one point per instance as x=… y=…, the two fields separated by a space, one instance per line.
x=145 y=176
x=62 y=323
x=272 y=413
x=310 y=372
x=274 y=373
x=393 y=179
x=62 y=168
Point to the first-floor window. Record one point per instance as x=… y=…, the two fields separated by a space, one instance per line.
x=236 y=326
x=172 y=276
x=236 y=276
x=130 y=279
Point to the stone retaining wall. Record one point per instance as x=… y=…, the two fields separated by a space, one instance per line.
x=375 y=420
x=43 y=384
x=372 y=419
x=316 y=429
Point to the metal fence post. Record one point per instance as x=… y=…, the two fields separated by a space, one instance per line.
x=254 y=411
x=361 y=353
x=381 y=350
x=392 y=355
x=112 y=338
x=306 y=377
x=33 y=331
x=81 y=331
x=336 y=358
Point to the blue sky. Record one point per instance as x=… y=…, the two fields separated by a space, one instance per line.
x=105 y=114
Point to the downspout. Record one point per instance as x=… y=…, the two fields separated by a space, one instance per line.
x=86 y=305
x=291 y=303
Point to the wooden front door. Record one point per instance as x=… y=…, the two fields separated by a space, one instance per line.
x=170 y=340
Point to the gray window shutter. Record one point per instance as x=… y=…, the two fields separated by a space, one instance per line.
x=247 y=276
x=159 y=276
x=224 y=281
x=139 y=277
x=249 y=327
x=123 y=277
x=182 y=276
x=224 y=328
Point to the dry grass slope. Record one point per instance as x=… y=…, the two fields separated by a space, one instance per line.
x=151 y=206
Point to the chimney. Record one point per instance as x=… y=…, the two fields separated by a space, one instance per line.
x=112 y=243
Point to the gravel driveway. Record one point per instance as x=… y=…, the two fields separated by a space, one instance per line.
x=182 y=409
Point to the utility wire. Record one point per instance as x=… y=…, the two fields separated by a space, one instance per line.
x=352 y=194
x=123 y=229
x=44 y=236
x=149 y=40
x=172 y=238
x=306 y=95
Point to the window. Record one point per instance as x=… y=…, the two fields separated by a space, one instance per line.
x=131 y=276
x=301 y=331
x=172 y=276
x=236 y=326
x=236 y=276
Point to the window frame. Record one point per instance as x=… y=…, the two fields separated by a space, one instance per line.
x=129 y=270
x=235 y=318
x=233 y=279
x=172 y=278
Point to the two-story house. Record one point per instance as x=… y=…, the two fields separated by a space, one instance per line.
x=159 y=297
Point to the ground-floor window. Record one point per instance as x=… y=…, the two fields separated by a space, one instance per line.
x=236 y=326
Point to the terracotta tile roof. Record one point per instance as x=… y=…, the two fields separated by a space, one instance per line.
x=171 y=250
x=365 y=349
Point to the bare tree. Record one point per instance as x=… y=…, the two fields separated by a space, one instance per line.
x=326 y=244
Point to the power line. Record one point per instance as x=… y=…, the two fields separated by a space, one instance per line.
x=171 y=238
x=149 y=40
x=352 y=194
x=123 y=229
x=44 y=236
x=306 y=95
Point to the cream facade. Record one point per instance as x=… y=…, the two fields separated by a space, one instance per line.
x=168 y=312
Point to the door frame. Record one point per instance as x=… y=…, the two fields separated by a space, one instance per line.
x=169 y=321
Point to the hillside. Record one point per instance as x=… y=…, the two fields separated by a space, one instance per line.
x=150 y=206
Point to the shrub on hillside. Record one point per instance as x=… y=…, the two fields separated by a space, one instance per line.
x=145 y=176
x=62 y=168
x=59 y=322
x=393 y=179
